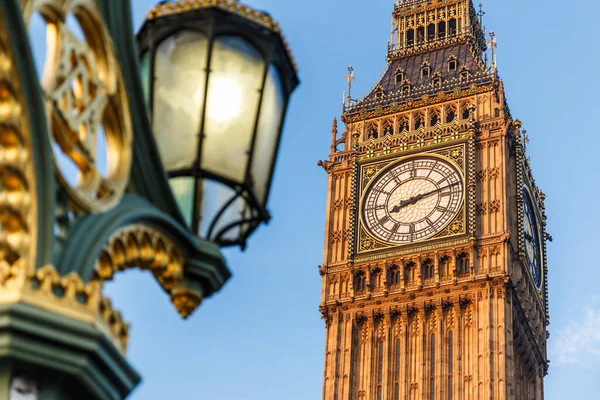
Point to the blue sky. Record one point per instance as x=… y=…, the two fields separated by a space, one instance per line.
x=261 y=337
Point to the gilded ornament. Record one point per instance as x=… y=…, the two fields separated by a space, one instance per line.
x=185 y=301
x=85 y=97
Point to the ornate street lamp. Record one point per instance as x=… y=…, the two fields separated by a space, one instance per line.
x=217 y=77
x=215 y=81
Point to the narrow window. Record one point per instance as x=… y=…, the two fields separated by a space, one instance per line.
x=450 y=365
x=432 y=366
x=425 y=71
x=406 y=89
x=410 y=38
x=434 y=119
x=380 y=363
x=418 y=121
x=388 y=130
x=452 y=64
x=452 y=27
x=373 y=133
x=497 y=112
x=465 y=112
x=397 y=362
x=437 y=81
x=450 y=115
x=399 y=77
x=442 y=29
x=420 y=35
x=431 y=32
x=464 y=75
x=403 y=125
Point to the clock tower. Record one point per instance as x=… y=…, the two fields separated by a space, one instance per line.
x=434 y=273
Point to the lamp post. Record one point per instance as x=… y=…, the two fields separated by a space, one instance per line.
x=191 y=124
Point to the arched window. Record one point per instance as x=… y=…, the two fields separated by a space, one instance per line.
x=444 y=265
x=465 y=114
x=452 y=27
x=420 y=35
x=464 y=75
x=442 y=29
x=394 y=275
x=432 y=367
x=360 y=281
x=462 y=262
x=419 y=121
x=450 y=114
x=450 y=365
x=372 y=133
x=452 y=64
x=436 y=81
x=388 y=128
x=434 y=117
x=403 y=125
x=428 y=269
x=376 y=279
x=406 y=89
x=410 y=38
x=431 y=32
x=397 y=368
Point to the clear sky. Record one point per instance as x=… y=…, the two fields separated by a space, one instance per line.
x=261 y=337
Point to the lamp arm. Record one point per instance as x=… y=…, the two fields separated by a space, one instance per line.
x=148 y=176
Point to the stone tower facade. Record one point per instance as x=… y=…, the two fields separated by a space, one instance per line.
x=434 y=273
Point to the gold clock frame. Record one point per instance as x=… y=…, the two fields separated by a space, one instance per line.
x=457 y=154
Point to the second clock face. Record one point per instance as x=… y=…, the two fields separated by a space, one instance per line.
x=413 y=200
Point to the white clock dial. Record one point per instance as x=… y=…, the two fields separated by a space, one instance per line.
x=413 y=200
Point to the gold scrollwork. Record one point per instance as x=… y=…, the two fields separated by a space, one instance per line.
x=139 y=246
x=85 y=95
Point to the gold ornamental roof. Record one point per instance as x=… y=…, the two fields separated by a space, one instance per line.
x=232 y=6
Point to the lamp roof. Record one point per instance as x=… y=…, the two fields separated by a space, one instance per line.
x=260 y=18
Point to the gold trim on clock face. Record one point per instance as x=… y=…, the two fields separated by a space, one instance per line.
x=413 y=200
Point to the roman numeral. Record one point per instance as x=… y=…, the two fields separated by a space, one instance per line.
x=429 y=222
x=384 y=220
x=441 y=209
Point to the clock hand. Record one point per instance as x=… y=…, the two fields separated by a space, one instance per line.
x=416 y=198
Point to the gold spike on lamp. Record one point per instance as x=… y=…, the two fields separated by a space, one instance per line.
x=217 y=77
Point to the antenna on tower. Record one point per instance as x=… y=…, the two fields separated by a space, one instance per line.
x=481 y=13
x=492 y=43
x=350 y=77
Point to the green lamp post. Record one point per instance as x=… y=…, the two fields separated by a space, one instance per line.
x=191 y=134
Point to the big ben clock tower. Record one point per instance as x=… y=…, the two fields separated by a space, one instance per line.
x=434 y=273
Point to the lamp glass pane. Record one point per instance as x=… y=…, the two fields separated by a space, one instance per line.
x=269 y=123
x=215 y=196
x=183 y=190
x=237 y=70
x=179 y=81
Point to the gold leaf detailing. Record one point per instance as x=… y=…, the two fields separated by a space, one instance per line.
x=85 y=97
x=185 y=301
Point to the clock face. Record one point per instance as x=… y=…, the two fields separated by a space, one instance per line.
x=532 y=240
x=413 y=200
